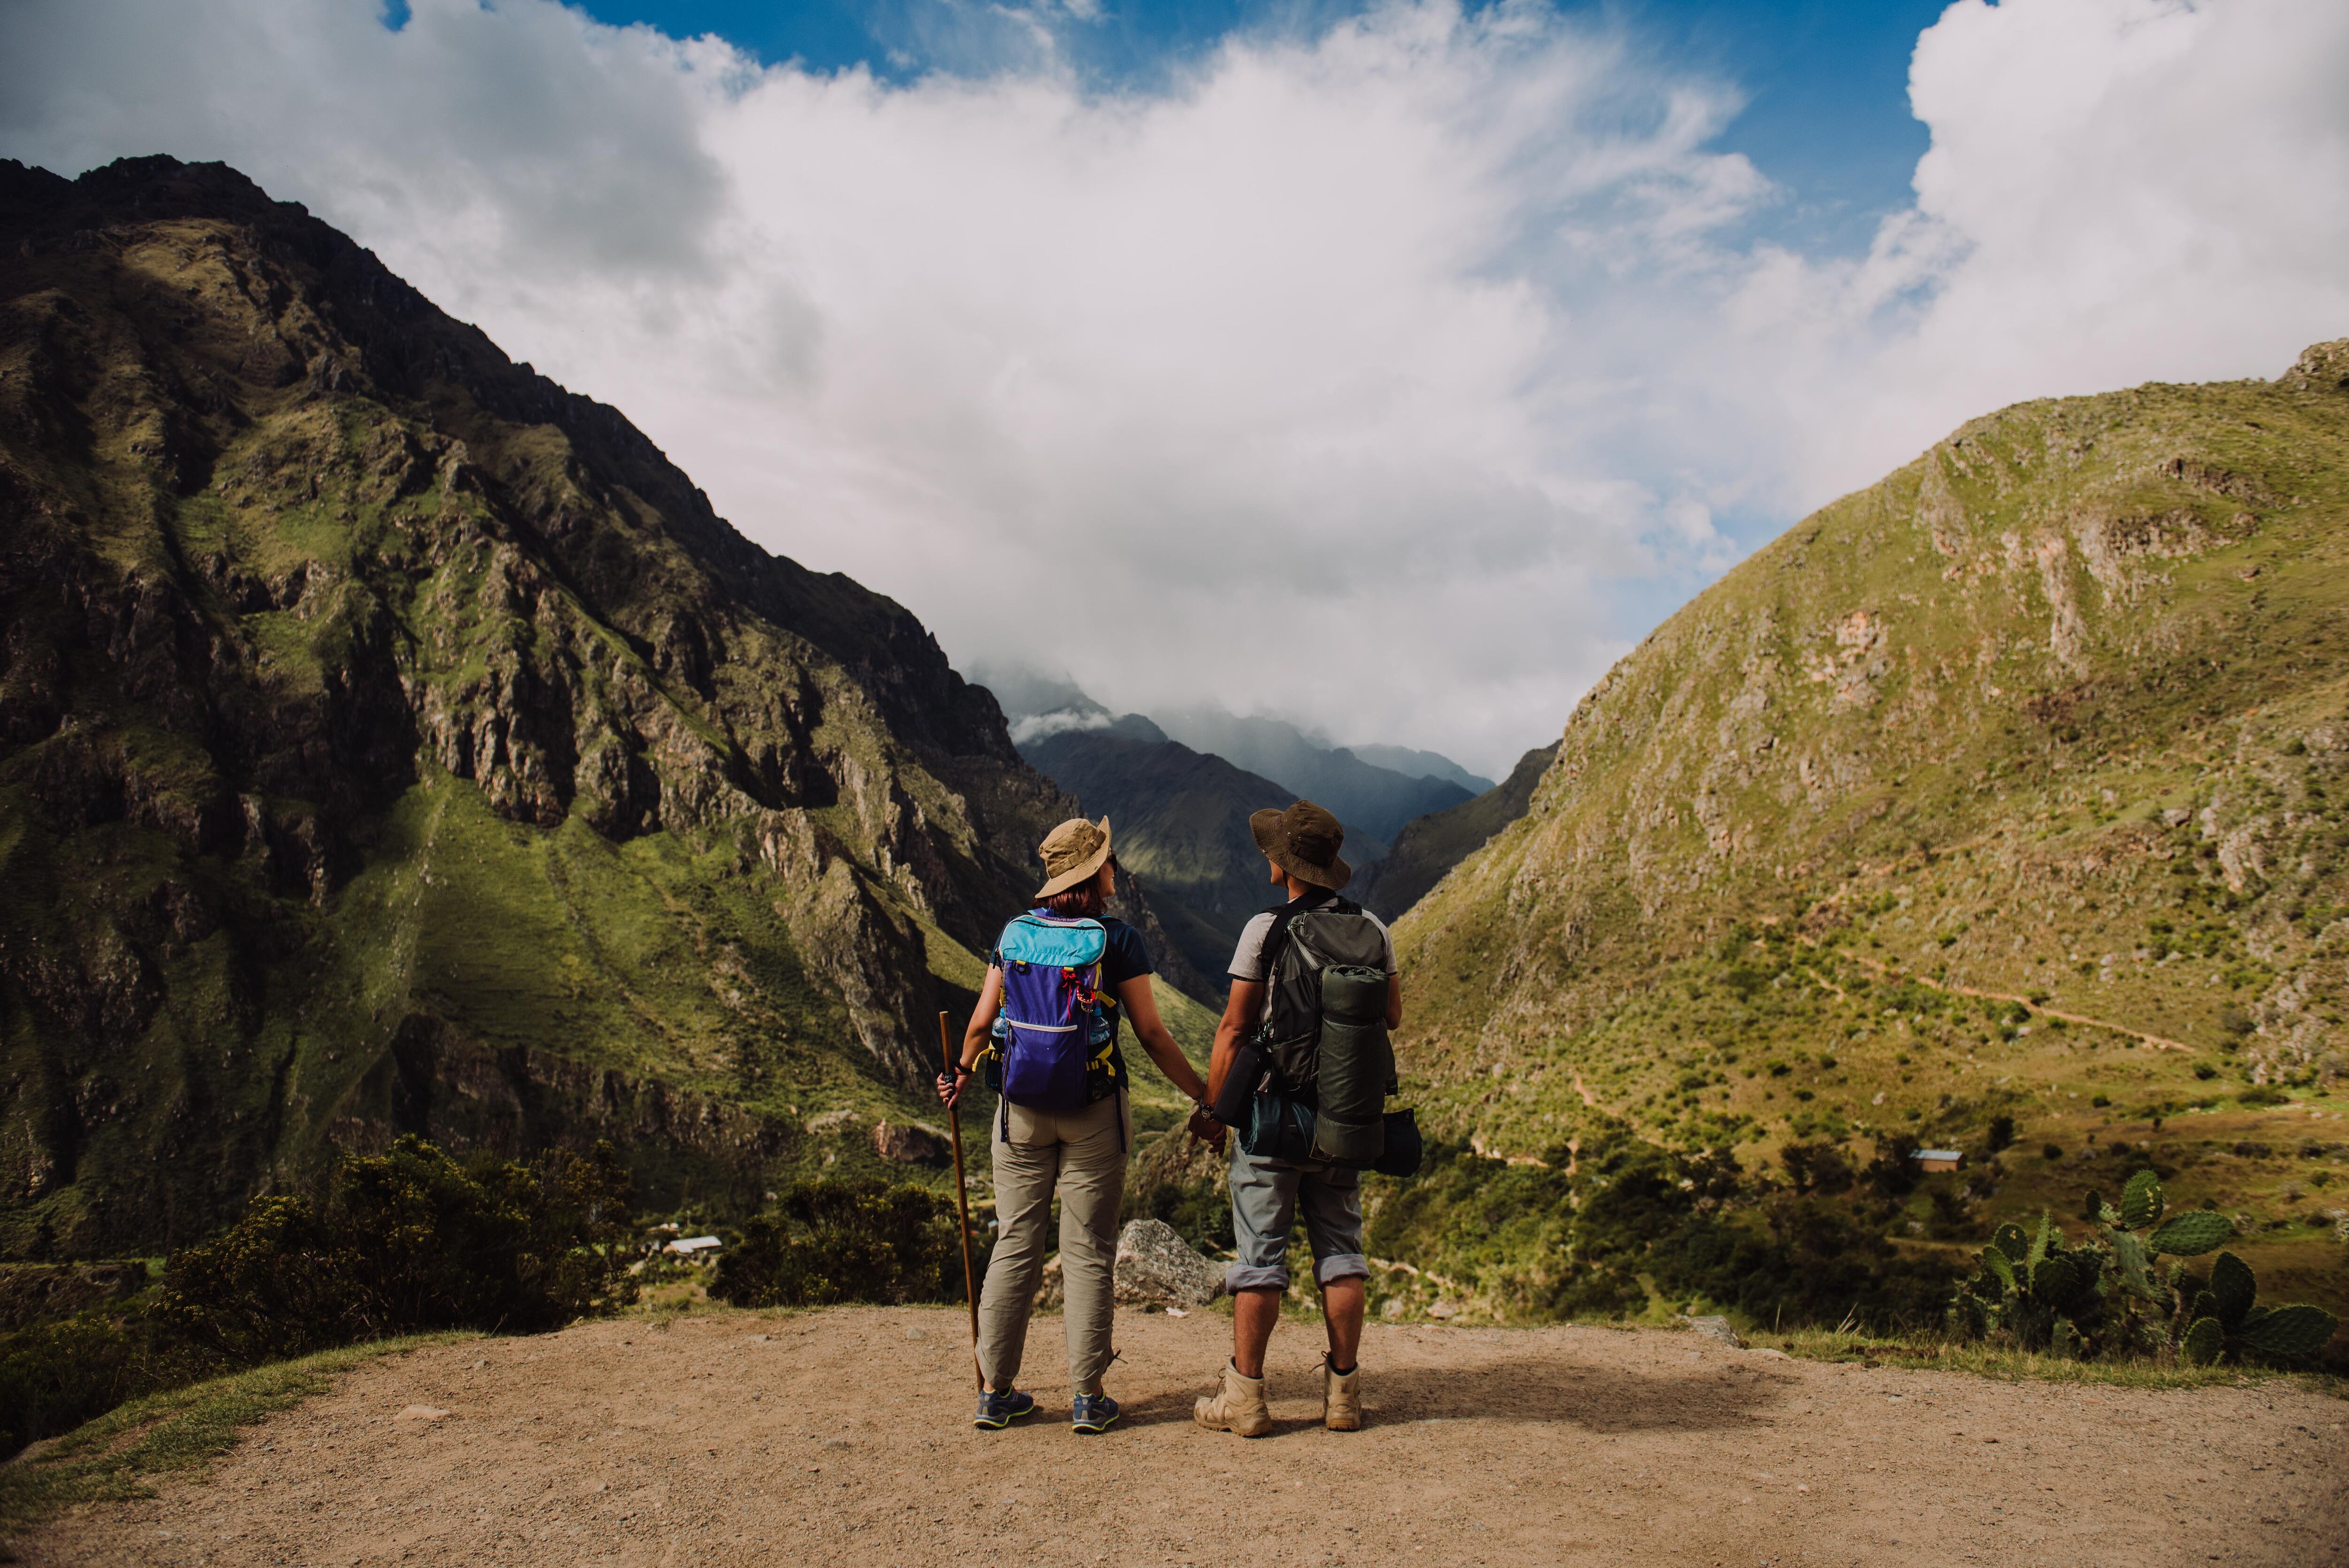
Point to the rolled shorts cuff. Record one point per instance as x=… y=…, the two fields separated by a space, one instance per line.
x=1341 y=1266
x=1250 y=1276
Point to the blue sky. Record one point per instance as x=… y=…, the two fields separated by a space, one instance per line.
x=1825 y=81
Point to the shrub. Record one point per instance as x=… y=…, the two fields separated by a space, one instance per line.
x=407 y=1241
x=1816 y=1167
x=1691 y=1221
x=410 y=1241
x=824 y=1242
x=2001 y=1132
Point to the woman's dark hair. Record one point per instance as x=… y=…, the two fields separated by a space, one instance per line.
x=1082 y=901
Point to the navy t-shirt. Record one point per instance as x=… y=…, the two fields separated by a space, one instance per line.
x=1125 y=958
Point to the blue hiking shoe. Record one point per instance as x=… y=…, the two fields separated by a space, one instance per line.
x=996 y=1412
x=1092 y=1413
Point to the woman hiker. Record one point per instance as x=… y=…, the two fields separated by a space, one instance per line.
x=1056 y=982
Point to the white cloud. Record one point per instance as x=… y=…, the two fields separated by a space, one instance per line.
x=2117 y=192
x=1347 y=376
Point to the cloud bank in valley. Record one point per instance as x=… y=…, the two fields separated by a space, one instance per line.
x=1360 y=374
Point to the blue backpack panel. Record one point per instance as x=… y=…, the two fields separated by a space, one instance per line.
x=1054 y=1035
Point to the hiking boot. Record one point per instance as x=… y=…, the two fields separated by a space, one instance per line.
x=1092 y=1413
x=996 y=1412
x=1239 y=1408
x=1342 y=1398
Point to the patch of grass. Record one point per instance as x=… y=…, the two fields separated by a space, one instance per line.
x=109 y=1460
x=1933 y=1353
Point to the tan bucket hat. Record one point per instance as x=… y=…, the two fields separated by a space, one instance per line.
x=1073 y=853
x=1304 y=841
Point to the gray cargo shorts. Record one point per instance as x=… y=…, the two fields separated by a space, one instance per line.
x=1266 y=1197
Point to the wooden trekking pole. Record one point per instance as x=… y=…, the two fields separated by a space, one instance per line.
x=962 y=1203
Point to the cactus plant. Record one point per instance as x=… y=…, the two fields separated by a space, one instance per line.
x=2190 y=1234
x=2287 y=1333
x=2103 y=1297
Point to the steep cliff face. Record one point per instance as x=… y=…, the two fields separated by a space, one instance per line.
x=2015 y=779
x=391 y=739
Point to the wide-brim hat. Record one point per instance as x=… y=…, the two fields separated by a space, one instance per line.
x=1304 y=841
x=1073 y=853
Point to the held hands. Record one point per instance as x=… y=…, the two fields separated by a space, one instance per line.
x=950 y=1088
x=1204 y=1129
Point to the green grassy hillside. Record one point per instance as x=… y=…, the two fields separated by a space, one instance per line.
x=2015 y=785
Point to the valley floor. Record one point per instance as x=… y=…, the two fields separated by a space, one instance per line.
x=842 y=1437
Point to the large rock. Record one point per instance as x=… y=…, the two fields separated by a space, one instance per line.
x=908 y=1143
x=1156 y=1265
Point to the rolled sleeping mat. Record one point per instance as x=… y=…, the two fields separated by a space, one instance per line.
x=1352 y=1082
x=1351 y=994
x=1356 y=1060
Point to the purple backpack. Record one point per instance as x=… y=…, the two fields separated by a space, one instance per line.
x=1054 y=1035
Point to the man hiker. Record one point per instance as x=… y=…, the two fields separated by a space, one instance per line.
x=1270 y=1035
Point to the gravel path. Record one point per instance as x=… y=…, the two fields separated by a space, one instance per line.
x=842 y=1437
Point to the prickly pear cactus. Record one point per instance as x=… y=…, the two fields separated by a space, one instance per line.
x=2101 y=1298
x=2287 y=1333
x=2232 y=1287
x=2190 y=1234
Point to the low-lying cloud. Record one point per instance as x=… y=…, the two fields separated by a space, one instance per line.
x=1353 y=376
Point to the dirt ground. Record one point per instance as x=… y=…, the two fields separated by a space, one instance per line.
x=843 y=1437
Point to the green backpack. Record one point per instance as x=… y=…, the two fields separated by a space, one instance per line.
x=1324 y=1042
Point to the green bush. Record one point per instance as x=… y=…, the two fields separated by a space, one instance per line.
x=410 y=1241
x=407 y=1241
x=1540 y=1244
x=824 y=1243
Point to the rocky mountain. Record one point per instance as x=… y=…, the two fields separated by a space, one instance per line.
x=2014 y=787
x=1412 y=763
x=1374 y=801
x=1179 y=820
x=391 y=740
x=1431 y=845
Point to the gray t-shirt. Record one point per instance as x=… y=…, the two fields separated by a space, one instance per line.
x=1248 y=958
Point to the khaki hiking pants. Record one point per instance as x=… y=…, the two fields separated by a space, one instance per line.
x=1083 y=1154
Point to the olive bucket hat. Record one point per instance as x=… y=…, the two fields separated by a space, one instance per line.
x=1304 y=841
x=1073 y=853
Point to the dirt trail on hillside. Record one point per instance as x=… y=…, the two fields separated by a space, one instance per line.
x=842 y=1437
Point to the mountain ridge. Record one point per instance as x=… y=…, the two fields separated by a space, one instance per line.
x=392 y=741
x=1998 y=806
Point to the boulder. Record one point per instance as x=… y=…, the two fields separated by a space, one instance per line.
x=907 y=1143
x=1155 y=1264
x=1716 y=1328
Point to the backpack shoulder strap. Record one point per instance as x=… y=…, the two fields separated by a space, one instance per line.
x=1276 y=940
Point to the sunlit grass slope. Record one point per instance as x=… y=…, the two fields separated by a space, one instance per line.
x=2017 y=784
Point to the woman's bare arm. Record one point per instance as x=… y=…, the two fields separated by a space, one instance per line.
x=1142 y=1006
x=974 y=1037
